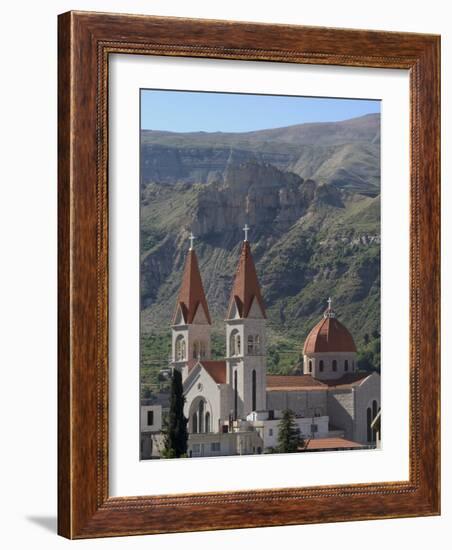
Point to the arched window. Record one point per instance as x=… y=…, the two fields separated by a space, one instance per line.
x=310 y=366
x=180 y=348
x=201 y=416
x=253 y=391
x=369 y=422
x=235 y=395
x=194 y=423
x=207 y=422
x=334 y=365
x=257 y=344
x=199 y=350
x=234 y=342
x=346 y=365
x=250 y=345
x=321 y=365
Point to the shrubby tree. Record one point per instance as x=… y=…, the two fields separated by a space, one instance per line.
x=176 y=434
x=289 y=437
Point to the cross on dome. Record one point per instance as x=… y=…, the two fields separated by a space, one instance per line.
x=191 y=239
x=329 y=313
x=246 y=229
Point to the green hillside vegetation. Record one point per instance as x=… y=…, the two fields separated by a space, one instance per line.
x=314 y=209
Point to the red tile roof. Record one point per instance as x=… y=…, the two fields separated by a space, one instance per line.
x=216 y=369
x=191 y=294
x=347 y=380
x=306 y=382
x=246 y=285
x=329 y=335
x=332 y=443
x=293 y=383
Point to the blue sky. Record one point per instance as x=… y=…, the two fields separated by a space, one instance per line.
x=178 y=111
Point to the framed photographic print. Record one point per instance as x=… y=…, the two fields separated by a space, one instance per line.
x=248 y=275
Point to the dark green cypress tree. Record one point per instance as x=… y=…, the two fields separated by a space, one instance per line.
x=289 y=438
x=176 y=435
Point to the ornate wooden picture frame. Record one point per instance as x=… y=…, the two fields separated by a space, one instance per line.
x=86 y=41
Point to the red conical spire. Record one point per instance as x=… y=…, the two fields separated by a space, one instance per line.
x=246 y=285
x=191 y=293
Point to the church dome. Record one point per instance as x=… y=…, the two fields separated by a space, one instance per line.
x=329 y=335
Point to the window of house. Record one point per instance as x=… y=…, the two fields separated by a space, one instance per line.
x=207 y=422
x=194 y=424
x=334 y=365
x=180 y=348
x=346 y=365
x=215 y=447
x=270 y=432
x=321 y=365
x=196 y=448
x=150 y=418
x=310 y=366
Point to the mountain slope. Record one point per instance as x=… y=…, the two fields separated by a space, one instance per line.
x=343 y=153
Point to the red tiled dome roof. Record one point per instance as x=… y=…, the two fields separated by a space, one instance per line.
x=329 y=335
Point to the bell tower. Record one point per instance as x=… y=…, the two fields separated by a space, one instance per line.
x=191 y=328
x=246 y=338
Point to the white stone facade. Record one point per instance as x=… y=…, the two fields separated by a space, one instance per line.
x=231 y=407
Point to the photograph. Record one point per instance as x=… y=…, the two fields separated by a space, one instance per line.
x=259 y=274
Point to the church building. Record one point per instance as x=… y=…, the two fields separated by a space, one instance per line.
x=234 y=406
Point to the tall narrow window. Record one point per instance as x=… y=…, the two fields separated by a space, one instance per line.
x=374 y=414
x=234 y=343
x=180 y=348
x=346 y=365
x=207 y=422
x=321 y=365
x=194 y=423
x=369 y=422
x=235 y=395
x=150 y=418
x=310 y=366
x=196 y=350
x=257 y=344
x=201 y=417
x=253 y=393
x=334 y=365
x=250 y=345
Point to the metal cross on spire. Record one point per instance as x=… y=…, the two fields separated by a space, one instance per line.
x=191 y=238
x=246 y=229
x=329 y=303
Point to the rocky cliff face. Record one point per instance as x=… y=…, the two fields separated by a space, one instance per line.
x=310 y=238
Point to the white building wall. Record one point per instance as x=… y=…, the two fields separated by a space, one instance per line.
x=245 y=362
x=341 y=410
x=269 y=429
x=156 y=425
x=304 y=403
x=200 y=385
x=366 y=393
